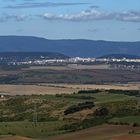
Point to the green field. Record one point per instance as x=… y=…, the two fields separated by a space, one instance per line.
x=81 y=74
x=126 y=120
x=102 y=98
x=29 y=129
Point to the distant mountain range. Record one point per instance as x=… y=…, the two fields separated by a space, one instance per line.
x=120 y=56
x=13 y=57
x=78 y=47
x=32 y=55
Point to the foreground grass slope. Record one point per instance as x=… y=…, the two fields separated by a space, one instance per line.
x=44 y=116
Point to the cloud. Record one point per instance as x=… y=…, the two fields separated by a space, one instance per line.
x=94 y=13
x=40 y=4
x=132 y=16
x=7 y=17
x=90 y=14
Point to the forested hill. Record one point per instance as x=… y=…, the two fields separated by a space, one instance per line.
x=30 y=55
x=78 y=47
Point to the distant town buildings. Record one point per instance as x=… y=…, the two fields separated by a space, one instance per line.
x=73 y=60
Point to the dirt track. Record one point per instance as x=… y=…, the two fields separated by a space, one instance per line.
x=127 y=137
x=14 y=138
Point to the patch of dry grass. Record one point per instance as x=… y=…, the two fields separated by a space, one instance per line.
x=60 y=88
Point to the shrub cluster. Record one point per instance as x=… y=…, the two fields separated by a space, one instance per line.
x=88 y=91
x=79 y=107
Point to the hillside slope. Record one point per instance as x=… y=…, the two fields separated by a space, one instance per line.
x=79 y=47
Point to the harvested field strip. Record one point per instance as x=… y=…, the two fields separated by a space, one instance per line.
x=104 y=132
x=60 y=88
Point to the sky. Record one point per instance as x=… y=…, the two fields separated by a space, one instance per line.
x=114 y=20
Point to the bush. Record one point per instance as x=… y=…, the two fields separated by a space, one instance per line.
x=101 y=112
x=135 y=125
x=85 y=124
x=79 y=107
x=125 y=92
x=122 y=108
x=11 y=133
x=88 y=91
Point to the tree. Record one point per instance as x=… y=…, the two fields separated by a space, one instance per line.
x=101 y=112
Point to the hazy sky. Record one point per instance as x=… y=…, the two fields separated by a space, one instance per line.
x=82 y=19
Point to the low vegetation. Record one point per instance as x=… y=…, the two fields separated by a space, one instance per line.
x=65 y=74
x=40 y=116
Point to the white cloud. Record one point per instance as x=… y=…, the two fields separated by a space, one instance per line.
x=92 y=14
x=132 y=16
x=7 y=17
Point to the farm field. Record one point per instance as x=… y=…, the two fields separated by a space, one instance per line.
x=14 y=89
x=127 y=137
x=103 y=132
x=127 y=119
x=70 y=74
x=70 y=67
x=34 y=89
x=14 y=138
x=78 y=76
x=129 y=86
x=28 y=129
x=84 y=67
